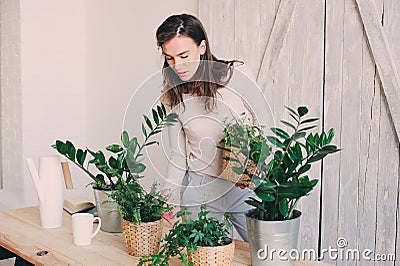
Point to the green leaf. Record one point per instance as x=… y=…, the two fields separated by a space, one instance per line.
x=172 y=117
x=160 y=112
x=288 y=124
x=125 y=139
x=304 y=168
x=132 y=146
x=81 y=156
x=310 y=145
x=264 y=196
x=310 y=120
x=284 y=207
x=265 y=152
x=238 y=170
x=302 y=110
x=317 y=157
x=138 y=168
x=299 y=135
x=298 y=151
x=275 y=141
x=113 y=162
x=329 y=149
x=120 y=160
x=148 y=122
x=280 y=133
x=61 y=147
x=72 y=152
x=323 y=139
x=280 y=175
x=100 y=156
x=114 y=148
x=331 y=133
x=317 y=141
x=152 y=142
x=144 y=131
x=291 y=110
x=253 y=202
x=155 y=116
x=292 y=155
x=154 y=132
x=294 y=190
x=307 y=128
x=295 y=118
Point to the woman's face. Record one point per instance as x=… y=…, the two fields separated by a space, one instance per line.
x=183 y=55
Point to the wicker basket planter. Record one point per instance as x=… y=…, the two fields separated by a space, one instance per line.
x=230 y=175
x=217 y=256
x=142 y=239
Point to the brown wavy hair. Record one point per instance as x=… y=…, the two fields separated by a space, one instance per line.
x=211 y=74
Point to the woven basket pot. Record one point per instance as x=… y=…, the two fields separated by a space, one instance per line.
x=216 y=256
x=142 y=239
x=230 y=175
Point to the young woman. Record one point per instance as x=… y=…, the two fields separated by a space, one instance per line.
x=196 y=86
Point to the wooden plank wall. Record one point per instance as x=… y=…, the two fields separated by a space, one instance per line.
x=325 y=63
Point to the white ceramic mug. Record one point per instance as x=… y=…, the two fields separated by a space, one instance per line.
x=82 y=228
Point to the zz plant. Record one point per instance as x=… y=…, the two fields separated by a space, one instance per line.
x=281 y=181
x=191 y=234
x=123 y=168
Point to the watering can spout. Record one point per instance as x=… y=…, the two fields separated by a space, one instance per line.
x=49 y=186
x=35 y=178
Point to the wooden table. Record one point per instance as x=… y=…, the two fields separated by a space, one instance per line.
x=20 y=232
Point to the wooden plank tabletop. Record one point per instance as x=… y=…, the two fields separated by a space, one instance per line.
x=21 y=233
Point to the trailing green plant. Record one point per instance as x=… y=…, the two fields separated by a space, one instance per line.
x=125 y=161
x=281 y=181
x=191 y=234
x=245 y=139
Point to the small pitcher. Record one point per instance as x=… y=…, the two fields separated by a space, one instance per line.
x=49 y=186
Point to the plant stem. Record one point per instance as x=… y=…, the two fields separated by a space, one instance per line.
x=290 y=214
x=88 y=172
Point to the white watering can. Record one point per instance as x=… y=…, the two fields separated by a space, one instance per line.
x=49 y=186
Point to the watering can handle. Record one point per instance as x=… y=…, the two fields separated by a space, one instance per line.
x=35 y=178
x=67 y=175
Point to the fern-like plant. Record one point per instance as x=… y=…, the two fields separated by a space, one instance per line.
x=190 y=234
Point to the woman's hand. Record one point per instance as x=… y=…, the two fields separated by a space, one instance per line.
x=241 y=185
x=169 y=217
x=249 y=185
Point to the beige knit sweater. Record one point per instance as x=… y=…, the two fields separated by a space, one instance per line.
x=193 y=139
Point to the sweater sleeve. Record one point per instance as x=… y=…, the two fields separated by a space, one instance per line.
x=177 y=164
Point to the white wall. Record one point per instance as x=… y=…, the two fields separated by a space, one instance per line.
x=53 y=64
x=122 y=53
x=11 y=113
x=76 y=64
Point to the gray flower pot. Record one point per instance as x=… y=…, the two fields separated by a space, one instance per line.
x=267 y=238
x=107 y=210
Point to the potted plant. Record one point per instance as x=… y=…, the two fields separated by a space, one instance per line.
x=122 y=166
x=280 y=183
x=206 y=241
x=141 y=210
x=244 y=147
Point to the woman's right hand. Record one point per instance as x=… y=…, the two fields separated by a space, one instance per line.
x=169 y=217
